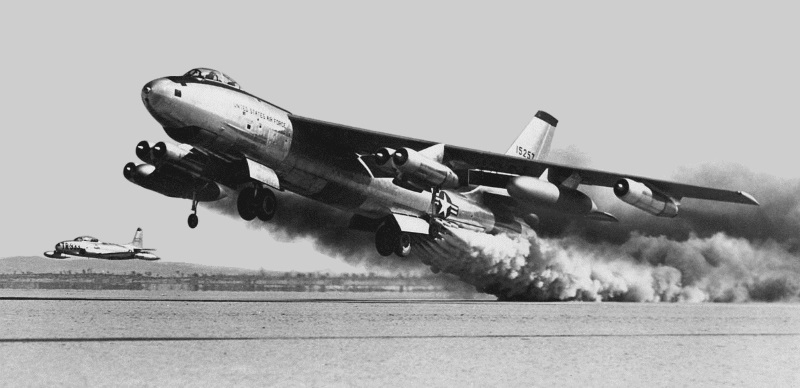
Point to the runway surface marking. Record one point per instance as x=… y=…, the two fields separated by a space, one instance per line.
x=388 y=337
x=301 y=300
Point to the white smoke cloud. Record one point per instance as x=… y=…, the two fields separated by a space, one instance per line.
x=714 y=252
x=644 y=269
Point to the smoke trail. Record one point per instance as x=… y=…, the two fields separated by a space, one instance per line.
x=778 y=217
x=297 y=217
x=643 y=269
x=711 y=252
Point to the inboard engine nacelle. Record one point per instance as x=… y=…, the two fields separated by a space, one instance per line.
x=165 y=153
x=421 y=170
x=640 y=196
x=533 y=192
x=175 y=183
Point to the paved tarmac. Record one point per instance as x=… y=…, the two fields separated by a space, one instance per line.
x=124 y=338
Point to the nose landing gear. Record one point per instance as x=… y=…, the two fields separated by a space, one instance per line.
x=193 y=220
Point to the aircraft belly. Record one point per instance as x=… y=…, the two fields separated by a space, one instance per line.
x=330 y=182
x=375 y=197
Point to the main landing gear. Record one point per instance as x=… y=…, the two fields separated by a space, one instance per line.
x=390 y=239
x=256 y=202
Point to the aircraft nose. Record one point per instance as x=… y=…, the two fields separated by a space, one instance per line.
x=159 y=97
x=59 y=246
x=155 y=90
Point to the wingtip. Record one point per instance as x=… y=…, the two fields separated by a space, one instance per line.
x=750 y=199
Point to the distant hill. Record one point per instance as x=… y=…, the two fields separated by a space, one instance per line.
x=35 y=264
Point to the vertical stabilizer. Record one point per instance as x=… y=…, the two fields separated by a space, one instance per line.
x=137 y=238
x=534 y=142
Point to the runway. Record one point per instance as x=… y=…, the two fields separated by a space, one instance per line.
x=312 y=339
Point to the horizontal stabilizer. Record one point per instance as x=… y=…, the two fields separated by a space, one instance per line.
x=56 y=255
x=602 y=216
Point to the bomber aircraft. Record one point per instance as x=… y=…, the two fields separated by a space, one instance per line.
x=403 y=189
x=88 y=246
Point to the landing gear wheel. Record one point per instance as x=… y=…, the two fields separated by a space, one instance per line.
x=383 y=240
x=402 y=244
x=434 y=230
x=245 y=203
x=265 y=204
x=193 y=221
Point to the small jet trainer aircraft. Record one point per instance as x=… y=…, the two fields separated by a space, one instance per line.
x=88 y=246
x=395 y=186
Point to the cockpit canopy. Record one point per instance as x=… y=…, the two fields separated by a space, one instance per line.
x=86 y=238
x=212 y=75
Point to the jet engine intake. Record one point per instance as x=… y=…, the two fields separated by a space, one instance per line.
x=423 y=171
x=179 y=156
x=536 y=192
x=639 y=195
x=143 y=151
x=164 y=152
x=383 y=156
x=137 y=174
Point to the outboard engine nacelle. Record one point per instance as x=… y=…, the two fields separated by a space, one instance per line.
x=639 y=195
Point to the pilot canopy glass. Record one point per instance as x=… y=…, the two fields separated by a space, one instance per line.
x=86 y=238
x=212 y=75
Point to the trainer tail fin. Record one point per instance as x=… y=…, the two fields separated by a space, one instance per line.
x=137 y=238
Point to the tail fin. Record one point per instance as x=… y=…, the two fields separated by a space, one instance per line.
x=137 y=238
x=534 y=142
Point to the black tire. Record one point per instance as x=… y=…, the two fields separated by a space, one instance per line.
x=434 y=230
x=266 y=205
x=245 y=203
x=193 y=220
x=402 y=244
x=384 y=240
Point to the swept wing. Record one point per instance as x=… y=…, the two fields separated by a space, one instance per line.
x=490 y=169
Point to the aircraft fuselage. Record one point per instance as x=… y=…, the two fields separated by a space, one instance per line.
x=234 y=125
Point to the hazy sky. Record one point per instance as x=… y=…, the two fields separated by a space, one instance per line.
x=645 y=89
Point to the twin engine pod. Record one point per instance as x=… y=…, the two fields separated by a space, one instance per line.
x=167 y=170
x=643 y=197
x=175 y=183
x=416 y=168
x=165 y=153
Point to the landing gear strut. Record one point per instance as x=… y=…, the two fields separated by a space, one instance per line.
x=256 y=202
x=193 y=220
